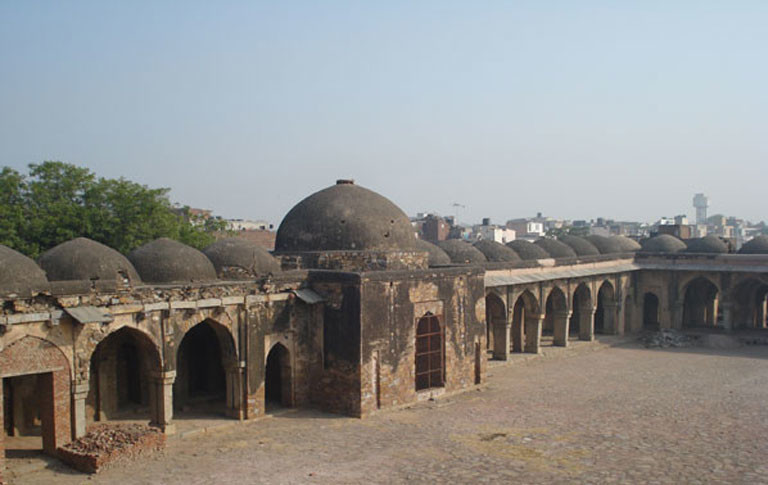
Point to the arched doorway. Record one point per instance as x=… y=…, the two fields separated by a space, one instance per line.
x=582 y=322
x=605 y=314
x=121 y=384
x=201 y=382
x=36 y=398
x=651 y=312
x=526 y=324
x=430 y=353
x=496 y=322
x=750 y=299
x=701 y=304
x=556 y=317
x=278 y=392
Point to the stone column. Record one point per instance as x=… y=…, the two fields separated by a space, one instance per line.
x=727 y=307
x=587 y=324
x=79 y=394
x=235 y=378
x=533 y=326
x=677 y=318
x=162 y=409
x=561 y=323
x=761 y=309
x=501 y=333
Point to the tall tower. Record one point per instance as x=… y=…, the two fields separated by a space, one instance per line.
x=700 y=202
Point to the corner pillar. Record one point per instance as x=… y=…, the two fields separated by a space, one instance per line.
x=235 y=379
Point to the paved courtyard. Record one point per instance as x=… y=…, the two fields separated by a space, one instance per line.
x=617 y=415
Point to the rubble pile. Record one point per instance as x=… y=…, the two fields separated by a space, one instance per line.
x=666 y=338
x=108 y=444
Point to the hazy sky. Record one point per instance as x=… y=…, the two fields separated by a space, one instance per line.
x=577 y=109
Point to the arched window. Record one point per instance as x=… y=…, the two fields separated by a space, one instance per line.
x=429 y=353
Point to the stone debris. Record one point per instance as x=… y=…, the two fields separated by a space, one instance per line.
x=106 y=439
x=666 y=338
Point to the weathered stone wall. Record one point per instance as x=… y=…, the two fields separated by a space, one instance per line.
x=391 y=306
x=355 y=260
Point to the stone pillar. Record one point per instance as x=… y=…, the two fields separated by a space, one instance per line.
x=727 y=307
x=677 y=318
x=162 y=408
x=761 y=311
x=587 y=324
x=533 y=326
x=501 y=334
x=561 y=323
x=710 y=313
x=235 y=379
x=79 y=393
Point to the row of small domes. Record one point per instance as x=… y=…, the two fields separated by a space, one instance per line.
x=459 y=251
x=160 y=261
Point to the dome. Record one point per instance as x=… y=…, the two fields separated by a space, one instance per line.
x=346 y=217
x=240 y=259
x=166 y=261
x=436 y=255
x=527 y=250
x=606 y=245
x=85 y=259
x=19 y=274
x=496 y=252
x=555 y=249
x=663 y=243
x=627 y=245
x=581 y=246
x=461 y=252
x=707 y=244
x=756 y=245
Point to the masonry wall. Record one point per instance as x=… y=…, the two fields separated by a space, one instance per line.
x=391 y=305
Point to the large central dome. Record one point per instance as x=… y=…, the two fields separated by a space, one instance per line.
x=345 y=217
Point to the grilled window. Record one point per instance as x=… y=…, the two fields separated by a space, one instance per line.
x=429 y=352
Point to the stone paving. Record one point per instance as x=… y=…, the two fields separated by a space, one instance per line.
x=624 y=414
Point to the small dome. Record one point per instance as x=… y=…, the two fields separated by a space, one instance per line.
x=707 y=244
x=556 y=249
x=627 y=245
x=496 y=252
x=436 y=255
x=19 y=274
x=527 y=250
x=663 y=243
x=346 y=217
x=85 y=259
x=236 y=258
x=756 y=245
x=606 y=245
x=581 y=246
x=167 y=261
x=461 y=252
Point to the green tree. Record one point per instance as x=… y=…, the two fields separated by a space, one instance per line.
x=58 y=201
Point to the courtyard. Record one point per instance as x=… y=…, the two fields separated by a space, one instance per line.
x=600 y=415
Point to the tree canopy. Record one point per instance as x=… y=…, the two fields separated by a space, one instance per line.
x=56 y=201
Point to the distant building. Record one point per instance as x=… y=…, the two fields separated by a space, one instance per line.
x=527 y=229
x=435 y=228
x=701 y=202
x=247 y=225
x=492 y=232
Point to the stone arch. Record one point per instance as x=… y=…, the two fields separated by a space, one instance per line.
x=556 y=316
x=43 y=368
x=750 y=303
x=583 y=311
x=123 y=370
x=496 y=325
x=605 y=314
x=701 y=303
x=526 y=323
x=208 y=376
x=651 y=311
x=278 y=378
x=686 y=280
x=430 y=352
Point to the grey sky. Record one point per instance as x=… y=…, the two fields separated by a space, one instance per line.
x=576 y=109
